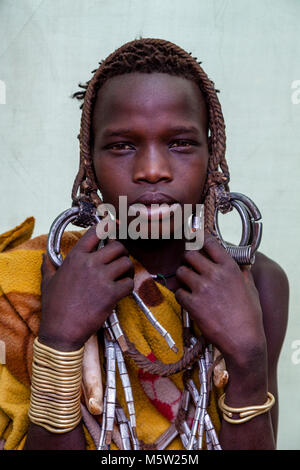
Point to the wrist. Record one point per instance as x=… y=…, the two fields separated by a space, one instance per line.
x=55 y=388
x=247 y=356
x=59 y=343
x=248 y=377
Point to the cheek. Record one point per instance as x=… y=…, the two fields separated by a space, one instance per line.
x=194 y=180
x=104 y=177
x=196 y=189
x=111 y=179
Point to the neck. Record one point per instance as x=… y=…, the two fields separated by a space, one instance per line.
x=157 y=256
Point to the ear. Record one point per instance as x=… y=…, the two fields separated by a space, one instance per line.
x=209 y=144
x=246 y=271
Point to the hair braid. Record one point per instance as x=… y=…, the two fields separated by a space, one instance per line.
x=148 y=55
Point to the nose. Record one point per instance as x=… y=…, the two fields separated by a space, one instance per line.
x=152 y=165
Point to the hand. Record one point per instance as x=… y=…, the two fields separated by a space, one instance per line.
x=222 y=299
x=79 y=296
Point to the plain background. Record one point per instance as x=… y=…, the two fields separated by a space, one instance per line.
x=249 y=48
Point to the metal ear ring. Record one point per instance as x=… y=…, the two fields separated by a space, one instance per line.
x=250 y=215
x=82 y=215
x=196 y=221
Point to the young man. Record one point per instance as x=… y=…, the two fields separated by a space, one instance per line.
x=152 y=129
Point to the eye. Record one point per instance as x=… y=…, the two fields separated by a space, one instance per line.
x=182 y=143
x=120 y=146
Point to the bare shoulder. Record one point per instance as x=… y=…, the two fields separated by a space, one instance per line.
x=272 y=284
x=264 y=267
x=270 y=279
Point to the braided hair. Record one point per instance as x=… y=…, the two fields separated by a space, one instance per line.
x=148 y=55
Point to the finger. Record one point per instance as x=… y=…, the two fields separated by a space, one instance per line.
x=184 y=298
x=88 y=242
x=112 y=250
x=120 y=267
x=214 y=249
x=187 y=277
x=106 y=229
x=47 y=268
x=198 y=261
x=124 y=287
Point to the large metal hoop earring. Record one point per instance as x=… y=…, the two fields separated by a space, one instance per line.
x=250 y=215
x=82 y=215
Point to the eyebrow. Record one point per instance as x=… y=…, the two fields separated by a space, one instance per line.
x=117 y=132
x=184 y=130
x=173 y=130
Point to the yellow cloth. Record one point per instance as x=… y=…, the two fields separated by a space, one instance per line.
x=20 y=308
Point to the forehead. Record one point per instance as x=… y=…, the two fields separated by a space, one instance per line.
x=149 y=99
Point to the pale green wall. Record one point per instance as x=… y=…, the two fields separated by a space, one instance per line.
x=249 y=48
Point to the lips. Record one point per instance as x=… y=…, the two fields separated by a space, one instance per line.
x=144 y=205
x=154 y=198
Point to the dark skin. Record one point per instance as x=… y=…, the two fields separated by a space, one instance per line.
x=243 y=312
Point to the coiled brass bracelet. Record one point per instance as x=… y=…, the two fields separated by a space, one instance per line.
x=55 y=388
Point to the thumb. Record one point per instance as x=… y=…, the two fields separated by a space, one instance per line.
x=47 y=268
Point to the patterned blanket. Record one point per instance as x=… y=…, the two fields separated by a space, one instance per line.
x=156 y=398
